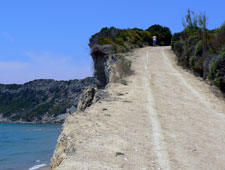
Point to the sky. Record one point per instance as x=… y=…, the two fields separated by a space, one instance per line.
x=49 y=38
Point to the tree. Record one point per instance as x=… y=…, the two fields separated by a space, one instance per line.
x=163 y=34
x=202 y=22
x=196 y=23
x=191 y=20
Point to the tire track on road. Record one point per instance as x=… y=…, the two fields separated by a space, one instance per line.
x=159 y=142
x=188 y=86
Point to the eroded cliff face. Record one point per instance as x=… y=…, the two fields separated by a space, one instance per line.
x=68 y=141
x=104 y=71
x=104 y=60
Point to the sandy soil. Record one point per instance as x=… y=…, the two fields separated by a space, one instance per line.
x=165 y=118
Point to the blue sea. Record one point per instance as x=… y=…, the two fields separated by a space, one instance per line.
x=27 y=146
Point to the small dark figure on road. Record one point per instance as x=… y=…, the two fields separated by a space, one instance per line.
x=154 y=39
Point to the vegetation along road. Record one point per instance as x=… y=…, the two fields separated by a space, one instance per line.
x=165 y=118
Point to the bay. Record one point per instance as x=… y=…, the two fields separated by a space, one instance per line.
x=27 y=146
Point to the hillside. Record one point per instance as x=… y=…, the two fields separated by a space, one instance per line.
x=202 y=51
x=163 y=118
x=42 y=101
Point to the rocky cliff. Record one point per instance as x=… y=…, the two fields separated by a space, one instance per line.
x=106 y=60
x=41 y=101
x=110 y=50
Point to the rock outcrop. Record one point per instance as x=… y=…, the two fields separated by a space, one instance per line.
x=86 y=98
x=104 y=59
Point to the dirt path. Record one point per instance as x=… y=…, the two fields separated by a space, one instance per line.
x=165 y=118
x=192 y=119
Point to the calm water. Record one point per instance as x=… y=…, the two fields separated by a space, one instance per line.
x=26 y=146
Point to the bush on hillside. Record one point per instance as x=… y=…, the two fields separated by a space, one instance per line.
x=125 y=39
x=176 y=37
x=217 y=41
x=185 y=49
x=217 y=71
x=196 y=61
x=202 y=50
x=178 y=48
x=122 y=39
x=189 y=31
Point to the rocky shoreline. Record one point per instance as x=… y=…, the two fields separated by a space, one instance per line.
x=46 y=120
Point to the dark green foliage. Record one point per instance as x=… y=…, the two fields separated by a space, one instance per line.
x=121 y=39
x=217 y=40
x=163 y=33
x=196 y=61
x=32 y=100
x=190 y=20
x=175 y=38
x=217 y=71
x=178 y=48
x=203 y=51
x=103 y=41
x=10 y=86
x=189 y=31
x=199 y=48
x=185 y=49
x=125 y=39
x=11 y=103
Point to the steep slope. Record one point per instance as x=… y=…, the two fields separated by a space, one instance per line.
x=165 y=118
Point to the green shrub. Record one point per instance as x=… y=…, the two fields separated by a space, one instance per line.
x=123 y=67
x=125 y=39
x=104 y=40
x=178 y=48
x=116 y=48
x=193 y=59
x=196 y=61
x=222 y=51
x=217 y=71
x=217 y=40
x=119 y=41
x=187 y=50
x=198 y=65
x=175 y=37
x=199 y=48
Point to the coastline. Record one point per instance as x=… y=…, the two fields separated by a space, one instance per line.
x=40 y=167
x=45 y=168
x=41 y=123
x=47 y=120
